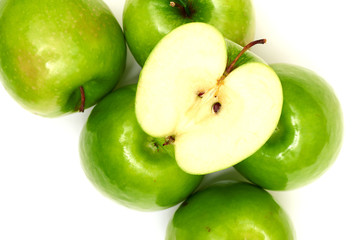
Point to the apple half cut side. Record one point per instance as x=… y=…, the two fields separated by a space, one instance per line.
x=214 y=121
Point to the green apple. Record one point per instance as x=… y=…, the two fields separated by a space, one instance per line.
x=145 y=22
x=308 y=137
x=229 y=211
x=214 y=117
x=125 y=163
x=59 y=56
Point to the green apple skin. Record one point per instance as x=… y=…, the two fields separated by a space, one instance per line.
x=145 y=22
x=308 y=137
x=50 y=48
x=125 y=163
x=230 y=210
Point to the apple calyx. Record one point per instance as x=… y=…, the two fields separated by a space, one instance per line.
x=169 y=140
x=82 y=99
x=183 y=6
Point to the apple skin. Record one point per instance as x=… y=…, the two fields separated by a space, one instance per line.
x=51 y=48
x=308 y=137
x=125 y=163
x=230 y=210
x=145 y=22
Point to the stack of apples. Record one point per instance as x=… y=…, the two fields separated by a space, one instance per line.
x=203 y=103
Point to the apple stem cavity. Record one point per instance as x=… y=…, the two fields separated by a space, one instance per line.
x=82 y=99
x=182 y=5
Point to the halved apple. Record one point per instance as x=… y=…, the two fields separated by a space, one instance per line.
x=214 y=118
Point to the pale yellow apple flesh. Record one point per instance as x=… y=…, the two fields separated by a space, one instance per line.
x=182 y=81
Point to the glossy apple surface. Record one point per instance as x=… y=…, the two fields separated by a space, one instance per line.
x=145 y=22
x=125 y=163
x=229 y=211
x=49 y=49
x=308 y=137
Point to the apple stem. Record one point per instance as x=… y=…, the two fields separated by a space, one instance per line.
x=182 y=5
x=246 y=48
x=82 y=99
x=231 y=66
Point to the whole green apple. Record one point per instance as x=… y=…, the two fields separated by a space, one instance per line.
x=145 y=22
x=59 y=56
x=229 y=211
x=125 y=163
x=308 y=137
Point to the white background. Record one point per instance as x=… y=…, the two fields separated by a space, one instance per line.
x=44 y=193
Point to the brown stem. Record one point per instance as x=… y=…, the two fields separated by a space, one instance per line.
x=231 y=66
x=246 y=48
x=82 y=99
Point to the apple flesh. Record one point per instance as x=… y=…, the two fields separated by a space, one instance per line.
x=308 y=137
x=229 y=211
x=146 y=22
x=214 y=121
x=125 y=163
x=51 y=50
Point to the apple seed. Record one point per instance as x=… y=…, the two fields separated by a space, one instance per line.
x=216 y=107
